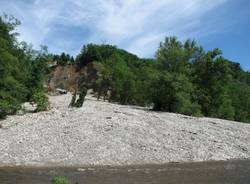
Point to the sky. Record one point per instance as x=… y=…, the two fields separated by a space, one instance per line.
x=135 y=25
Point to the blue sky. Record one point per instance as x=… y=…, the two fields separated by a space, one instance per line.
x=135 y=25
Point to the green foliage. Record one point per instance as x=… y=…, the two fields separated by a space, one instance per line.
x=121 y=77
x=41 y=100
x=8 y=104
x=60 y=180
x=240 y=101
x=183 y=79
x=21 y=68
x=63 y=59
x=100 y=53
x=78 y=102
x=172 y=93
x=122 y=80
x=171 y=56
x=12 y=70
x=213 y=80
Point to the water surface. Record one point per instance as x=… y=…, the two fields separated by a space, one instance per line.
x=222 y=172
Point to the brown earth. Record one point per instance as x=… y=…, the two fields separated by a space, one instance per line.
x=71 y=77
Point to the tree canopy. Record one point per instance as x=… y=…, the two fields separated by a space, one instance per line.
x=21 y=69
x=182 y=78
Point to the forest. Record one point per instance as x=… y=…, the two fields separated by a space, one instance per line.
x=182 y=77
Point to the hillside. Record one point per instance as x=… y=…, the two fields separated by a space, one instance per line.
x=102 y=133
x=71 y=77
x=182 y=78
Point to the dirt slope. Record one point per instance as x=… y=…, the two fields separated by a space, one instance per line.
x=70 y=77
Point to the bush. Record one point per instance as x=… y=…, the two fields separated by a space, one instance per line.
x=8 y=105
x=60 y=180
x=41 y=100
x=8 y=108
x=80 y=100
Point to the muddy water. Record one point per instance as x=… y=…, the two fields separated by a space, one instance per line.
x=228 y=172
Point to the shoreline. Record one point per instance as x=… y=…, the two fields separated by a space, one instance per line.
x=101 y=133
x=131 y=166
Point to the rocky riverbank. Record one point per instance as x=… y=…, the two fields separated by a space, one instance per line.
x=102 y=133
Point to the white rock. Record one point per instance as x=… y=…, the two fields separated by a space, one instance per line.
x=133 y=135
x=29 y=107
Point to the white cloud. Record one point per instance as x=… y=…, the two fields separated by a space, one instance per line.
x=136 y=25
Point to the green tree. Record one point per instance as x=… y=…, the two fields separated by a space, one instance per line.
x=122 y=80
x=172 y=93
x=21 y=71
x=213 y=79
x=12 y=69
x=80 y=100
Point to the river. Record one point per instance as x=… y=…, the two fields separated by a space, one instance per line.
x=214 y=172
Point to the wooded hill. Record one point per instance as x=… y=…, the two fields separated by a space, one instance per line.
x=182 y=78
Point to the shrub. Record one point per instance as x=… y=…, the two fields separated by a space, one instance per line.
x=81 y=98
x=8 y=105
x=41 y=100
x=60 y=180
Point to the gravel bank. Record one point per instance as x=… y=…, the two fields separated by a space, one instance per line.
x=102 y=133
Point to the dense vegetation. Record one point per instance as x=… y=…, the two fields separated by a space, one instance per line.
x=63 y=59
x=21 y=71
x=182 y=78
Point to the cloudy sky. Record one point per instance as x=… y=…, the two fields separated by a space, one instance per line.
x=135 y=25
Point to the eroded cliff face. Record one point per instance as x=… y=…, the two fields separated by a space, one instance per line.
x=72 y=77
